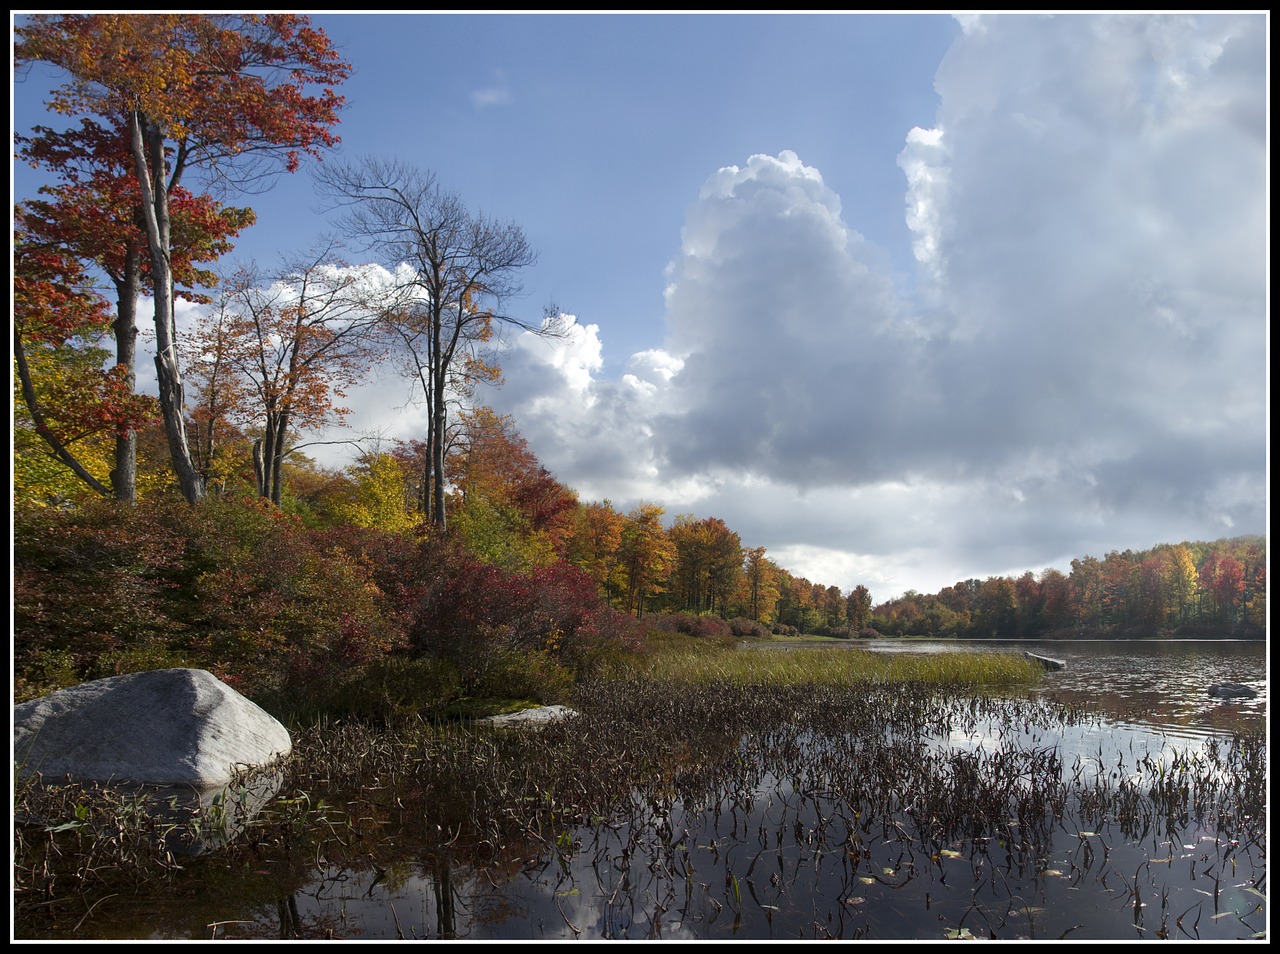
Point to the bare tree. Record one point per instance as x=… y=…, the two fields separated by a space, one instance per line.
x=456 y=269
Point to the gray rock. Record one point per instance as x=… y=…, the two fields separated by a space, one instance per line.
x=1231 y=690
x=539 y=715
x=164 y=727
x=1050 y=665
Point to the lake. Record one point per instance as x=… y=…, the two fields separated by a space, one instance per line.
x=1158 y=685
x=1119 y=815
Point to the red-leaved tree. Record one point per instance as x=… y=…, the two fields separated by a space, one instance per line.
x=234 y=95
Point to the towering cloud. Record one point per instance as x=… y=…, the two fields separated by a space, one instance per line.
x=1078 y=364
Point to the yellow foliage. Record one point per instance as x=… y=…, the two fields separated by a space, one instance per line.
x=379 y=497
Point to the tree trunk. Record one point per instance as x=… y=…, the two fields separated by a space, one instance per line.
x=259 y=468
x=268 y=457
x=124 y=476
x=149 y=168
x=277 y=461
x=437 y=465
x=439 y=419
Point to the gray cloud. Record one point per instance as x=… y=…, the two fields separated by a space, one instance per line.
x=1080 y=366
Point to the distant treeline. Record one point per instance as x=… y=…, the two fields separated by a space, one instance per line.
x=1214 y=589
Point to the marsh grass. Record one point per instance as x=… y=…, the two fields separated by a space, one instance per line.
x=840 y=751
x=689 y=661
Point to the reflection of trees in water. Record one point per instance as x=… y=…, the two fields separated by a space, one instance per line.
x=751 y=812
x=811 y=864
x=442 y=888
x=834 y=827
x=290 y=921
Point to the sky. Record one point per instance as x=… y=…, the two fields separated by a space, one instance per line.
x=906 y=299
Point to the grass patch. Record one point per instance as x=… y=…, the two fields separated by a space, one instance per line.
x=698 y=662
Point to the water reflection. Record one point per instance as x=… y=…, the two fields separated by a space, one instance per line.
x=786 y=863
x=983 y=829
x=1157 y=683
x=877 y=815
x=209 y=818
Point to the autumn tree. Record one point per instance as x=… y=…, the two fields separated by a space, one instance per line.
x=1181 y=580
x=647 y=555
x=91 y=213
x=1055 y=599
x=510 y=508
x=230 y=95
x=456 y=269
x=1028 y=606
x=707 y=565
x=594 y=544
x=1087 y=589
x=375 y=495
x=858 y=607
x=1222 y=576
x=995 y=609
x=219 y=391
x=282 y=351
x=795 y=602
x=59 y=322
x=831 y=607
x=1252 y=554
x=760 y=577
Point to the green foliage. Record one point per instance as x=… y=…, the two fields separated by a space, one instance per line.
x=513 y=674
x=497 y=535
x=390 y=690
x=44 y=671
x=39 y=477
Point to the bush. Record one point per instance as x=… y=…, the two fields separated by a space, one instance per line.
x=231 y=585
x=512 y=675
x=702 y=627
x=44 y=671
x=300 y=617
x=387 y=691
x=743 y=627
x=89 y=582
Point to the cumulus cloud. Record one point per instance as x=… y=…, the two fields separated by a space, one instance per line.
x=1080 y=365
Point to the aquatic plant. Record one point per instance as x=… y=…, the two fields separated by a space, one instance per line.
x=782 y=796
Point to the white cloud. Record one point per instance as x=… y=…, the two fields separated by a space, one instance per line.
x=491 y=96
x=1083 y=365
x=497 y=93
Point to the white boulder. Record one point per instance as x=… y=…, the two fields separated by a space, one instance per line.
x=164 y=727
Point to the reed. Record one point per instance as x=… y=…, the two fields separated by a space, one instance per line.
x=837 y=756
x=708 y=664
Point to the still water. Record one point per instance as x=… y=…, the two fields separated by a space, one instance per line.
x=1111 y=823
x=1156 y=685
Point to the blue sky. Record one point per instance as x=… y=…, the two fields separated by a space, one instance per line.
x=905 y=299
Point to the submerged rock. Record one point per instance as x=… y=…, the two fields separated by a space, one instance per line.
x=1231 y=690
x=176 y=727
